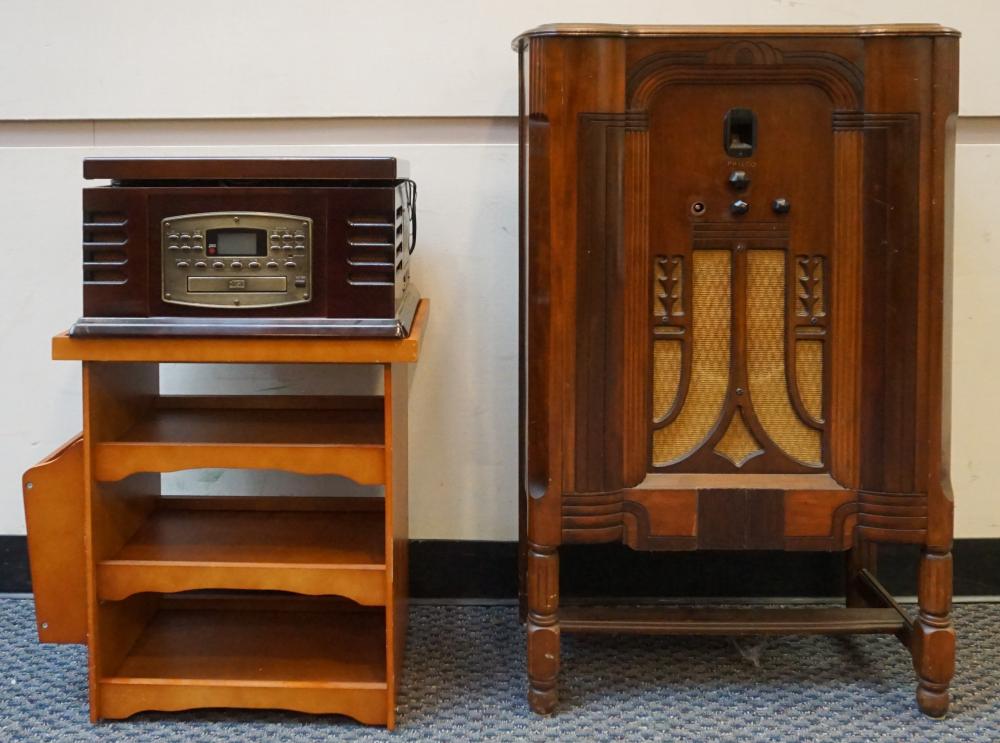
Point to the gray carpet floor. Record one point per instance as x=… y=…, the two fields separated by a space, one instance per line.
x=465 y=680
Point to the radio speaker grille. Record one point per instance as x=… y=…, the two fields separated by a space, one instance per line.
x=711 y=293
x=766 y=358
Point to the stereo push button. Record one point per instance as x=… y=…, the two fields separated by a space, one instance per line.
x=218 y=265
x=236 y=266
x=272 y=264
x=201 y=265
x=253 y=265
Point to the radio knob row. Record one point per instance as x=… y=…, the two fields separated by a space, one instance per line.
x=174 y=236
x=186 y=248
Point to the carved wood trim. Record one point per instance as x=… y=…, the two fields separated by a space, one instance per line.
x=747 y=62
x=602 y=390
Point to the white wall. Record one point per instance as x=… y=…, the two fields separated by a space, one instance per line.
x=440 y=93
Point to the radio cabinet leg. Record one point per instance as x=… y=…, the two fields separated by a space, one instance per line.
x=862 y=556
x=543 y=628
x=933 y=641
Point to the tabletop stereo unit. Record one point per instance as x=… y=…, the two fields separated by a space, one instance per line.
x=317 y=246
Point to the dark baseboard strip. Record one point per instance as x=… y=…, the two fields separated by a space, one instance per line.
x=470 y=570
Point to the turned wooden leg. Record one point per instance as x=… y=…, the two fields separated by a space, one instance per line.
x=933 y=639
x=862 y=556
x=543 y=628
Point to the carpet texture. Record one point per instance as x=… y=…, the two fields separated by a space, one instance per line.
x=465 y=680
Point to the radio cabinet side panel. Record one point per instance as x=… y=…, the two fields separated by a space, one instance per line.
x=115 y=253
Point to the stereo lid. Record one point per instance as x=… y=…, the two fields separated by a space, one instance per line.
x=153 y=169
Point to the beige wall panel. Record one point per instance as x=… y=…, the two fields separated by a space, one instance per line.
x=124 y=59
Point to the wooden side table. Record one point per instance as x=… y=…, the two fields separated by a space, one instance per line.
x=287 y=602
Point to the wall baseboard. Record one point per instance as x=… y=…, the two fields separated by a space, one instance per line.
x=468 y=570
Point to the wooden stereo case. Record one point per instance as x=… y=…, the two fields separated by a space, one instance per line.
x=310 y=246
x=735 y=252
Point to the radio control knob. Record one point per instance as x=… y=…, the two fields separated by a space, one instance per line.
x=290 y=264
x=254 y=265
x=236 y=266
x=183 y=264
x=739 y=179
x=272 y=264
x=781 y=205
x=739 y=207
x=201 y=265
x=218 y=265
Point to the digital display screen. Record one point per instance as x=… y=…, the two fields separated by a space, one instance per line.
x=237 y=242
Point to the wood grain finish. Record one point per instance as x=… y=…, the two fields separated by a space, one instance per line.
x=708 y=621
x=271 y=168
x=237 y=350
x=153 y=647
x=311 y=441
x=362 y=234
x=824 y=324
x=330 y=661
x=53 y=514
x=224 y=546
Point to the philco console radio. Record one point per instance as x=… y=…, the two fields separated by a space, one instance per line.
x=248 y=246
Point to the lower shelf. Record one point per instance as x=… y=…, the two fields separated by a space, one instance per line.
x=308 y=655
x=314 y=546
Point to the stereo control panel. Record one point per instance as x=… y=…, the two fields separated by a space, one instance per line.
x=236 y=259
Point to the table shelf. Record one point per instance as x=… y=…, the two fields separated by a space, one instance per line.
x=309 y=435
x=310 y=605
x=306 y=655
x=312 y=546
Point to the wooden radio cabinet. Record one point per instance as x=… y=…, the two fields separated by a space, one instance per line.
x=735 y=253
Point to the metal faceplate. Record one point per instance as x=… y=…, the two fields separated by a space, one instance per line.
x=200 y=272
